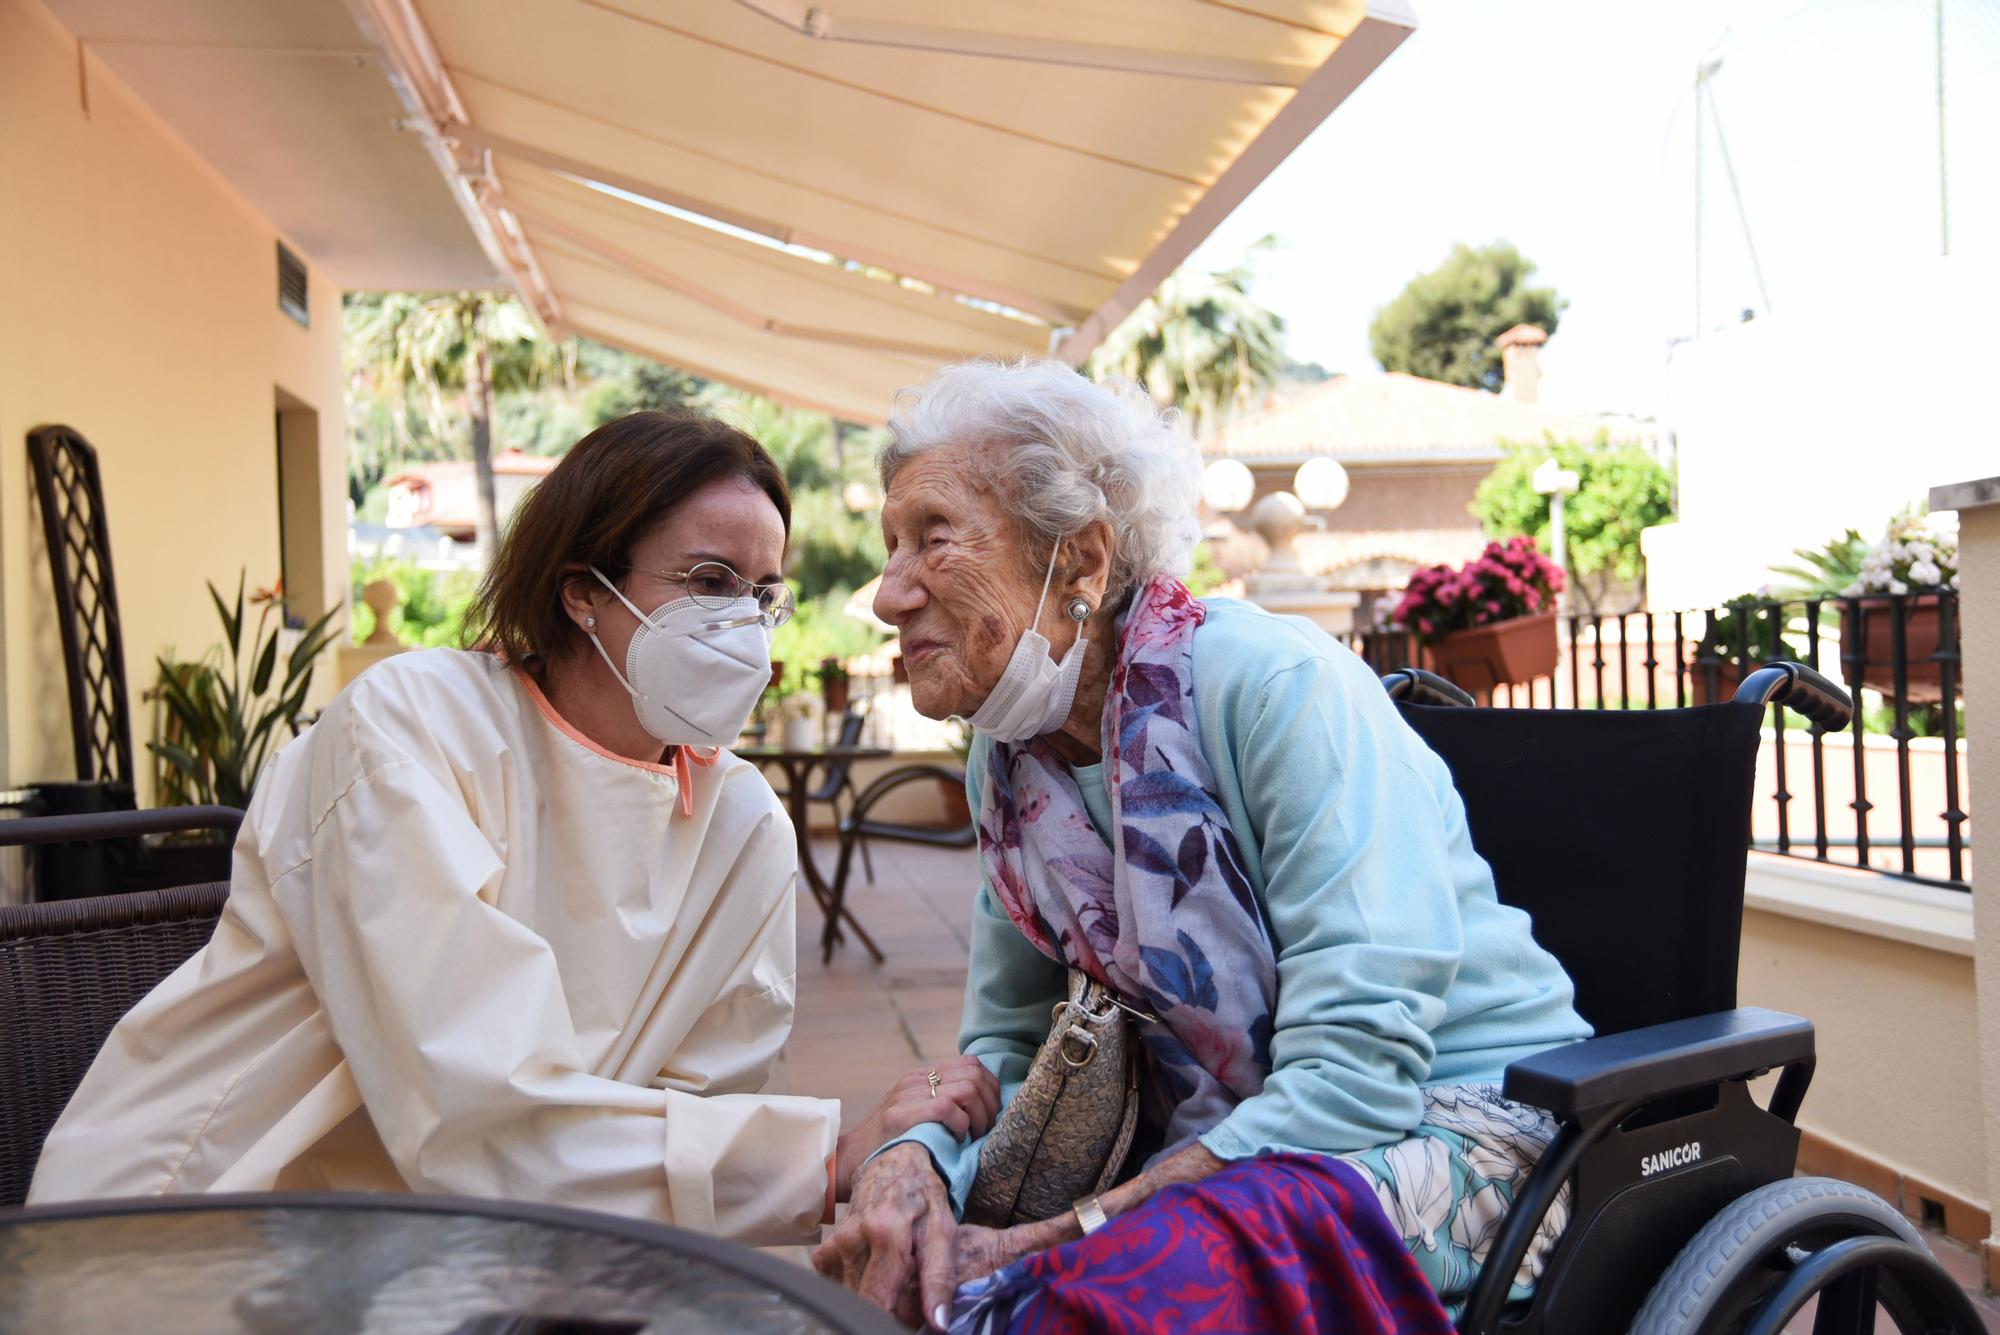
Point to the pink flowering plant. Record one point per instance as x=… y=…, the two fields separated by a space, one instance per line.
x=1509 y=579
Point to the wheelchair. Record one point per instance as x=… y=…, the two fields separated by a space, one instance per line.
x=1684 y=1214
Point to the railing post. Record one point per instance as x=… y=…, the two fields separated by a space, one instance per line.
x=1978 y=507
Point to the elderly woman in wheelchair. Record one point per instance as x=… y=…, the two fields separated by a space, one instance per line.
x=1214 y=824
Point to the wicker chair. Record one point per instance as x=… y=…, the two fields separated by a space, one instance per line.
x=71 y=968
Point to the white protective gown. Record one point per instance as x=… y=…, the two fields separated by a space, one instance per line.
x=468 y=951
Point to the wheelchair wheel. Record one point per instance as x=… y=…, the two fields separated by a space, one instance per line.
x=1722 y=1281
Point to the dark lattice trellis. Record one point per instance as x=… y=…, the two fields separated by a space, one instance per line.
x=72 y=500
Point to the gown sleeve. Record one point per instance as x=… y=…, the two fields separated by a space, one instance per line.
x=455 y=1026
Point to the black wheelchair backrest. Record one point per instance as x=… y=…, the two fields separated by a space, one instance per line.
x=1623 y=834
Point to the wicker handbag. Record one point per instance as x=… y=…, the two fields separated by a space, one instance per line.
x=1066 y=1133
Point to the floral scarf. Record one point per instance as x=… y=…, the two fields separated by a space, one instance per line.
x=1165 y=917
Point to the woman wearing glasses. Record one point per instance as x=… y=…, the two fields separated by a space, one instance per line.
x=508 y=922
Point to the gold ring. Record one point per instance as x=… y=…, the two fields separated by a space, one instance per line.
x=932 y=1076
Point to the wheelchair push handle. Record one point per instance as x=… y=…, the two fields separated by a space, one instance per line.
x=1800 y=689
x=1425 y=688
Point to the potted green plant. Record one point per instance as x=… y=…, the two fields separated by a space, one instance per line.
x=1490 y=621
x=1902 y=578
x=1744 y=633
x=224 y=714
x=834 y=685
x=797 y=728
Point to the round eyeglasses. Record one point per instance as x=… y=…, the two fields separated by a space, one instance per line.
x=716 y=587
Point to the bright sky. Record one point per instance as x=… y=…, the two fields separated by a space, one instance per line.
x=1568 y=128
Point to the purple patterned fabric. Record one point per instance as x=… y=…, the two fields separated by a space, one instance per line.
x=1166 y=917
x=1284 y=1242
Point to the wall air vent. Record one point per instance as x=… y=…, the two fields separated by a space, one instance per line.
x=292 y=286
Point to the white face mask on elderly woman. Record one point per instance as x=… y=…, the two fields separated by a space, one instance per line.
x=1034 y=695
x=694 y=673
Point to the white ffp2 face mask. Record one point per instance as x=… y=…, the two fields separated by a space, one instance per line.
x=1034 y=694
x=694 y=673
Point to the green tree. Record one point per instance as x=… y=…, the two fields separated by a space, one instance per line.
x=1622 y=490
x=1443 y=324
x=833 y=547
x=422 y=347
x=1199 y=343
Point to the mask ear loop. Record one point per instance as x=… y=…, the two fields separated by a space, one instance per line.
x=1047 y=580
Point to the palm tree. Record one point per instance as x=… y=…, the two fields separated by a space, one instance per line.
x=1199 y=343
x=419 y=346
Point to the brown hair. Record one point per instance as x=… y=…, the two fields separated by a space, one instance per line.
x=610 y=490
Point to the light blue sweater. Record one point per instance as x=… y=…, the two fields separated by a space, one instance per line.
x=1397 y=966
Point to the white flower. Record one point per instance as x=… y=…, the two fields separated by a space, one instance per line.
x=1954 y=579
x=1491 y=1163
x=1898 y=552
x=1924 y=572
x=1417 y=1196
x=1478 y=1222
x=1854 y=590
x=1922 y=551
x=1897 y=586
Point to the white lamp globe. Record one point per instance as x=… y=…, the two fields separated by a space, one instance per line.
x=1227 y=485
x=1321 y=484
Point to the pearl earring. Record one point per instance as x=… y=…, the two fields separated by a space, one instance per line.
x=590 y=623
x=1078 y=610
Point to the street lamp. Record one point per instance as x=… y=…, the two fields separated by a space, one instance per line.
x=1321 y=483
x=1557 y=483
x=1227 y=485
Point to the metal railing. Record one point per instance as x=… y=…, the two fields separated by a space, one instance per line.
x=1887 y=794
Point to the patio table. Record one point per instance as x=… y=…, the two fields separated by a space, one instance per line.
x=798 y=764
x=395 y=1265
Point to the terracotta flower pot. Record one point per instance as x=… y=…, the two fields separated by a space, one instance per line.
x=1728 y=676
x=1870 y=624
x=777 y=672
x=834 y=691
x=957 y=809
x=1507 y=652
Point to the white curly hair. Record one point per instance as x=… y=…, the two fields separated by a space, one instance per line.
x=1064 y=453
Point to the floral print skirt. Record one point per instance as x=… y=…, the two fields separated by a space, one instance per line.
x=1448 y=1187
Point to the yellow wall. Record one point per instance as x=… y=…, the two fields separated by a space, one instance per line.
x=138 y=304
x=1979 y=570
x=1898 y=1075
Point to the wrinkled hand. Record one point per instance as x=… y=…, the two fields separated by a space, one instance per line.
x=895 y=1246
x=967 y=1101
x=978 y=1252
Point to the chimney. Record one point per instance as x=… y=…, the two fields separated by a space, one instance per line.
x=1521 y=362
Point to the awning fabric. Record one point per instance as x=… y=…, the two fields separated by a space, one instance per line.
x=826 y=202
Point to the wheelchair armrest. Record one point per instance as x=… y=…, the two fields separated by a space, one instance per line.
x=1665 y=1059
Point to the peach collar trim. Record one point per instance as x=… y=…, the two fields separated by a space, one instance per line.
x=679 y=770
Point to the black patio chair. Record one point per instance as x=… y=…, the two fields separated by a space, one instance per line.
x=68 y=973
x=838 y=780
x=1625 y=836
x=860 y=825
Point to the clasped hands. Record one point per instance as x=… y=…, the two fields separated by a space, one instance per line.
x=901 y=1248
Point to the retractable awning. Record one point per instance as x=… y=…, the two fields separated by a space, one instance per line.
x=823 y=203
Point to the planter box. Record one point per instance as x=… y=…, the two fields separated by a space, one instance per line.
x=1870 y=625
x=1504 y=653
x=957 y=808
x=1728 y=676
